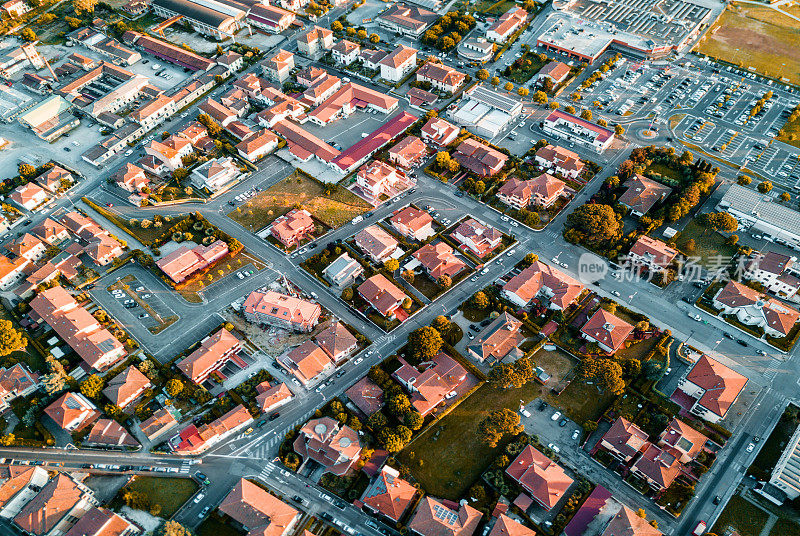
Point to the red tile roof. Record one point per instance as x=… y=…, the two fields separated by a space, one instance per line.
x=381 y=294
x=505 y=526
x=627 y=523
x=389 y=494
x=543 y=478
x=643 y=193
x=212 y=350
x=721 y=384
x=607 y=329
x=130 y=382
x=626 y=438
x=366 y=147
x=562 y=289
x=51 y=505
x=260 y=512
x=433 y=518
x=479 y=158
x=439 y=259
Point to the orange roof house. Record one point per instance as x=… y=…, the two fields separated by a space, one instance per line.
x=713 y=386
x=624 y=440
x=366 y=395
x=498 y=340
x=331 y=444
x=306 y=362
x=433 y=518
x=158 y=424
x=56 y=507
x=642 y=194
x=378 y=244
x=658 y=467
x=270 y=397
x=477 y=237
x=413 y=223
x=382 y=295
x=50 y=231
x=432 y=383
x=441 y=76
x=293 y=227
x=608 y=331
x=479 y=158
x=72 y=412
x=439 y=132
x=185 y=261
x=109 y=433
x=541 y=477
x=438 y=260
x=194 y=440
x=258 y=511
x=682 y=440
x=651 y=253
x=90 y=340
x=753 y=308
x=126 y=387
x=557 y=159
x=281 y=310
x=103 y=522
x=131 y=178
x=555 y=71
x=337 y=341
x=409 y=152
x=27 y=246
x=214 y=353
x=388 y=495
x=627 y=523
x=505 y=526
x=545 y=281
x=542 y=191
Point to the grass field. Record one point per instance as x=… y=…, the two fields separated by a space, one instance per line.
x=790 y=133
x=580 y=401
x=297 y=189
x=766 y=41
x=452 y=454
x=30 y=355
x=783 y=527
x=170 y=493
x=746 y=518
x=706 y=246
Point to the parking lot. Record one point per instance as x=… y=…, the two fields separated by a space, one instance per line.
x=142 y=304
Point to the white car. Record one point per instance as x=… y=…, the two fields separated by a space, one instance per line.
x=576 y=434
x=358 y=361
x=615 y=293
x=553 y=447
x=556 y=416
x=511 y=252
x=199 y=497
x=555 y=261
x=695 y=317
x=750 y=447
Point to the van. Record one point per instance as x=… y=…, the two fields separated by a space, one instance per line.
x=358 y=219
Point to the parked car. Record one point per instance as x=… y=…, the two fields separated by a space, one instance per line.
x=556 y=416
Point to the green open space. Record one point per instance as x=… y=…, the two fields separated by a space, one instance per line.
x=581 y=401
x=774 y=445
x=666 y=171
x=334 y=208
x=790 y=133
x=493 y=7
x=758 y=37
x=742 y=516
x=451 y=452
x=214 y=526
x=168 y=492
x=708 y=244
x=785 y=526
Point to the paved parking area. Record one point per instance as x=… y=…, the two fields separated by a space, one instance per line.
x=137 y=292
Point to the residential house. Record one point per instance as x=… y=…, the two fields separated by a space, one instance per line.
x=366 y=395
x=439 y=260
x=401 y=61
x=542 y=478
x=12 y=271
x=479 y=158
x=642 y=194
x=28 y=196
x=345 y=52
x=712 y=388
x=257 y=146
x=439 y=132
x=379 y=181
x=306 y=362
x=557 y=159
x=18 y=485
x=161 y=422
x=215 y=174
x=477 y=237
x=406 y=19
x=16 y=381
x=388 y=496
x=28 y=246
x=281 y=310
x=542 y=191
x=315 y=42
x=257 y=511
x=194 y=440
x=15 y=8
x=170 y=152
x=624 y=440
x=371 y=58
x=321 y=91
x=409 y=152
x=499 y=341
x=126 y=387
x=376 y=243
x=185 y=261
x=505 y=526
x=293 y=227
x=131 y=178
x=382 y=295
x=279 y=67
x=72 y=412
x=218 y=112
x=553 y=287
x=626 y=522
x=101 y=521
x=609 y=331
x=556 y=71
x=58 y=506
x=413 y=223
x=272 y=397
x=753 y=308
x=508 y=23
x=441 y=76
x=682 y=440
x=434 y=518
x=432 y=383
x=343 y=271
x=652 y=254
x=214 y=353
x=777 y=272
x=657 y=467
x=95 y=344
x=109 y=433
x=270 y=18
x=54 y=179
x=334 y=446
x=337 y=342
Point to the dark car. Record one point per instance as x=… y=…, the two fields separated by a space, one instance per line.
x=562 y=423
x=717 y=499
x=727 y=335
x=741 y=342
x=274 y=416
x=297 y=498
x=542 y=405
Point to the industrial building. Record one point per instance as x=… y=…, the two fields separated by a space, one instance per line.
x=760 y=213
x=486 y=111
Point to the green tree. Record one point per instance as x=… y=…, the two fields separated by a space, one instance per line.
x=413 y=420
x=765 y=187
x=336 y=26
x=27 y=34
x=596 y=222
x=509 y=86
x=174 y=387
x=441 y=324
x=480 y=300
x=497 y=424
x=398 y=405
x=479 y=187
x=92 y=386
x=424 y=343
x=720 y=221
x=374 y=38
x=540 y=97
x=744 y=180
x=530 y=259
x=482 y=75
x=377 y=421
x=523 y=91
x=26 y=170
x=347 y=294
x=586 y=114
x=444 y=281
x=11 y=339
x=495 y=81
x=619 y=130
x=785 y=197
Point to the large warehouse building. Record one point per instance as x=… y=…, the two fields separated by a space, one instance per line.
x=761 y=213
x=216 y=18
x=486 y=111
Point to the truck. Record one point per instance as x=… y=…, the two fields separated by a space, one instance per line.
x=700 y=529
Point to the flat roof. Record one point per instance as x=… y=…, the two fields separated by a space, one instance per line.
x=761 y=208
x=495 y=99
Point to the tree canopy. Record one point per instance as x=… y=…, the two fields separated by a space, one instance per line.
x=595 y=222
x=497 y=424
x=424 y=343
x=11 y=339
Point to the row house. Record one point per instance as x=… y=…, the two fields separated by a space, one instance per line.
x=214 y=353
x=542 y=191
x=154 y=112
x=56 y=508
x=50 y=231
x=371 y=58
x=218 y=112
x=777 y=272
x=321 y=90
x=288 y=312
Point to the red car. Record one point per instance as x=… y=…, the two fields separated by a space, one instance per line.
x=109 y=204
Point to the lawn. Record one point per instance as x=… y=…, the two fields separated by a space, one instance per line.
x=170 y=492
x=213 y=526
x=492 y=7
x=30 y=356
x=555 y=362
x=580 y=401
x=452 y=455
x=783 y=527
x=522 y=75
x=746 y=518
x=790 y=133
x=664 y=171
x=333 y=210
x=774 y=445
x=707 y=246
x=757 y=37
